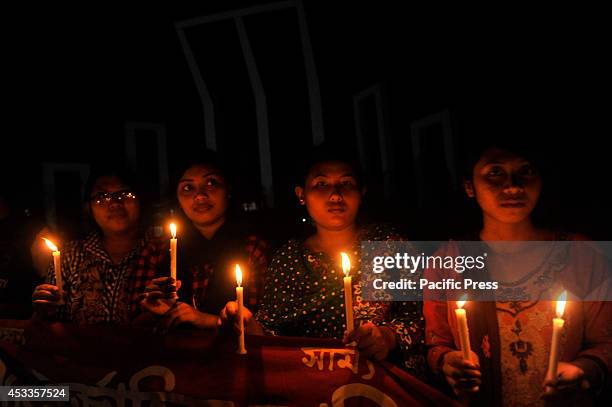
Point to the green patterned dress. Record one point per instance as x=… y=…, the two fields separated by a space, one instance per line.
x=304 y=296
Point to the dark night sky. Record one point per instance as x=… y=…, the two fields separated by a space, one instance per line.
x=77 y=75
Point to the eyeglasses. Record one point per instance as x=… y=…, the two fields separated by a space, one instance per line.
x=105 y=198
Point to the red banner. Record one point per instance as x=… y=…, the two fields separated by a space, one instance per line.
x=133 y=367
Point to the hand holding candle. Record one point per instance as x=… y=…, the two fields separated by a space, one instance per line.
x=173 y=251
x=464 y=333
x=239 y=299
x=558 y=323
x=57 y=266
x=348 y=291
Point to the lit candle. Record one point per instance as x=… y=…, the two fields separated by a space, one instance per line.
x=173 y=251
x=348 y=291
x=556 y=336
x=57 y=265
x=239 y=300
x=464 y=333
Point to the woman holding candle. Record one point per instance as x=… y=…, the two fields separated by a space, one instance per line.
x=209 y=243
x=511 y=339
x=304 y=293
x=95 y=269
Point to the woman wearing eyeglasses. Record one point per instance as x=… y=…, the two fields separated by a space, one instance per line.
x=95 y=270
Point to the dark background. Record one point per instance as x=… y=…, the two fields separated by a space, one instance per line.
x=76 y=75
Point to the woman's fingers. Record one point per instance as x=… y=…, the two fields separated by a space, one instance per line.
x=471 y=373
x=370 y=341
x=471 y=390
x=168 y=320
x=154 y=295
x=162 y=280
x=44 y=302
x=228 y=311
x=163 y=284
x=463 y=375
x=454 y=360
x=183 y=313
x=367 y=341
x=48 y=287
x=458 y=374
x=46 y=293
x=208 y=321
x=468 y=383
x=464 y=385
x=358 y=333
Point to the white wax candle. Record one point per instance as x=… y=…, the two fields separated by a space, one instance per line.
x=348 y=292
x=464 y=333
x=173 y=251
x=558 y=323
x=239 y=299
x=57 y=267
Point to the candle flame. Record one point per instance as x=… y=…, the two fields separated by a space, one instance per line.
x=238 y=275
x=173 y=230
x=50 y=244
x=561 y=304
x=346 y=263
x=462 y=301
